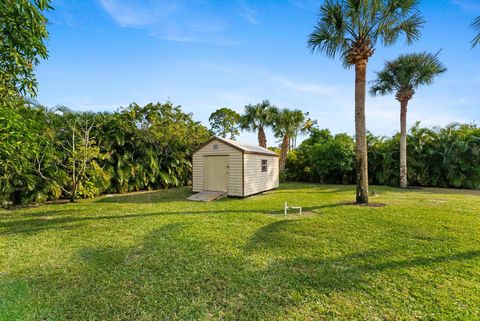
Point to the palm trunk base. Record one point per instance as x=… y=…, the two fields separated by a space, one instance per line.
x=403 y=176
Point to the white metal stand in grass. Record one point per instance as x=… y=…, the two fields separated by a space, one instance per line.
x=286 y=207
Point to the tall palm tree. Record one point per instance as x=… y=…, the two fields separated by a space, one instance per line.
x=257 y=118
x=403 y=76
x=351 y=29
x=476 y=26
x=287 y=123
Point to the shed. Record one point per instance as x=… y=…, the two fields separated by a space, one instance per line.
x=235 y=168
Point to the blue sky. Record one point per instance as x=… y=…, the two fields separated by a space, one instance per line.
x=205 y=54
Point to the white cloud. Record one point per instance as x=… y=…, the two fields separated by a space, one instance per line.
x=62 y=15
x=247 y=12
x=171 y=20
x=304 y=87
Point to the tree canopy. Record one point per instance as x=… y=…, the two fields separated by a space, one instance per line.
x=225 y=122
x=57 y=153
x=406 y=73
x=23 y=29
x=351 y=28
x=258 y=117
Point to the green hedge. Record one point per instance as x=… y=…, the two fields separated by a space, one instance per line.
x=439 y=157
x=135 y=148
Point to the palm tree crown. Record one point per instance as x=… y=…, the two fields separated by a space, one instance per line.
x=288 y=122
x=258 y=116
x=476 y=26
x=405 y=74
x=351 y=28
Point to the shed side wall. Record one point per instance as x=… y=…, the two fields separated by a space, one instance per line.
x=255 y=180
x=234 y=164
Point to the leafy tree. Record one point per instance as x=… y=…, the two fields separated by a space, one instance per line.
x=224 y=122
x=23 y=32
x=403 y=76
x=476 y=26
x=49 y=154
x=81 y=156
x=334 y=159
x=25 y=138
x=149 y=146
x=323 y=158
x=287 y=122
x=351 y=29
x=257 y=118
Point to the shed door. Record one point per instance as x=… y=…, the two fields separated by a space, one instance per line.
x=216 y=173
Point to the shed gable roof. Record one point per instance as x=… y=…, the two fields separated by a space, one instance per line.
x=243 y=147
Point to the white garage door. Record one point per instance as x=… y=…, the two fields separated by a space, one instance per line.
x=216 y=173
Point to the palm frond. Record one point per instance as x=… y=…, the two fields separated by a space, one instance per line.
x=257 y=116
x=351 y=28
x=476 y=26
x=407 y=73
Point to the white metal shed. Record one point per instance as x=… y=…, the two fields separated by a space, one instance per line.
x=235 y=168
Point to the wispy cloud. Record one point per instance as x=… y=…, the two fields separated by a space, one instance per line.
x=247 y=13
x=305 y=4
x=139 y=13
x=172 y=20
x=304 y=87
x=63 y=14
x=285 y=82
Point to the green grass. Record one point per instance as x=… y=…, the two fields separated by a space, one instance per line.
x=156 y=256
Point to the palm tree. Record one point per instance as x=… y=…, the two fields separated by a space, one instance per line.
x=351 y=29
x=287 y=123
x=403 y=76
x=476 y=26
x=257 y=118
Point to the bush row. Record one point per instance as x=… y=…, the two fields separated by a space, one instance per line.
x=437 y=157
x=46 y=154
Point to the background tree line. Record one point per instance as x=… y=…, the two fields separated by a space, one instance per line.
x=286 y=124
x=438 y=157
x=47 y=154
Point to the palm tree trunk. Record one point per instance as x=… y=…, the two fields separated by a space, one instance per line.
x=403 y=143
x=360 y=131
x=262 y=139
x=284 y=152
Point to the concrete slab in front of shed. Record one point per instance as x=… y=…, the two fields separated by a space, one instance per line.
x=207 y=196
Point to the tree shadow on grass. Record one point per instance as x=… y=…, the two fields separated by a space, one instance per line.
x=44 y=220
x=176 y=273
x=427 y=190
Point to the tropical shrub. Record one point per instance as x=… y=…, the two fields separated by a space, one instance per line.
x=323 y=158
x=50 y=154
x=149 y=147
x=25 y=144
x=438 y=157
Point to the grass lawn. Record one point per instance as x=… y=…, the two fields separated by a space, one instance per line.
x=156 y=256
